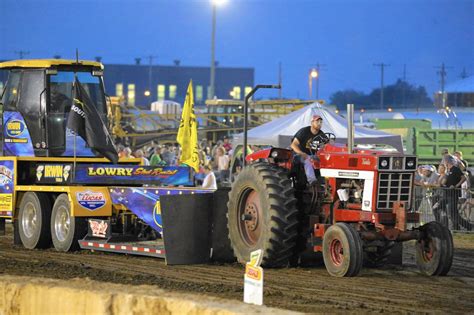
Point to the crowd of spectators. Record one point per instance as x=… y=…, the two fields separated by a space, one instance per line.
x=215 y=159
x=448 y=185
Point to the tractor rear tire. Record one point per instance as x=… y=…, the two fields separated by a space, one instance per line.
x=342 y=250
x=66 y=230
x=434 y=252
x=262 y=215
x=33 y=220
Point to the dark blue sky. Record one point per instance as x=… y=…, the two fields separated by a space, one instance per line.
x=348 y=36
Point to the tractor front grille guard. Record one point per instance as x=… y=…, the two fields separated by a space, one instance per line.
x=394 y=187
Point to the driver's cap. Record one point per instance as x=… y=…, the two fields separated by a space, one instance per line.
x=316 y=117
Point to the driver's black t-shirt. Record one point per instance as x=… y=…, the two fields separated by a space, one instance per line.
x=304 y=136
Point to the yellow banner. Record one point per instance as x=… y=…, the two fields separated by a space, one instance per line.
x=187 y=133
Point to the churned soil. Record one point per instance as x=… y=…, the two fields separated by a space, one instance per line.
x=387 y=290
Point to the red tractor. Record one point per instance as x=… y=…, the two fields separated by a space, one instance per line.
x=354 y=216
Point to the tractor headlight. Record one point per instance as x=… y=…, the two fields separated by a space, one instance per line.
x=274 y=154
x=410 y=163
x=384 y=163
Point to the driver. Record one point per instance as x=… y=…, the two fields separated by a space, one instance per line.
x=301 y=144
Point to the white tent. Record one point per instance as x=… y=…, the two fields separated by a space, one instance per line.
x=279 y=132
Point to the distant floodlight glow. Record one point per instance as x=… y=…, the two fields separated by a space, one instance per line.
x=314 y=73
x=147 y=93
x=218 y=2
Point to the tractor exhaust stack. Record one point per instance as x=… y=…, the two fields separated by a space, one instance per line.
x=350 y=128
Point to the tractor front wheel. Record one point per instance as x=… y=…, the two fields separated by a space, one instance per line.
x=434 y=251
x=342 y=250
x=262 y=214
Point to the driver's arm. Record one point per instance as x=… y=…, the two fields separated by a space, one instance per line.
x=295 y=145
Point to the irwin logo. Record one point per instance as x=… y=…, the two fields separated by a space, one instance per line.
x=15 y=128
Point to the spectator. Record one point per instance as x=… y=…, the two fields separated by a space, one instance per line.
x=227 y=145
x=430 y=177
x=167 y=155
x=439 y=201
x=120 y=150
x=455 y=179
x=140 y=155
x=441 y=182
x=127 y=153
x=461 y=162
x=222 y=164
x=209 y=181
x=156 y=158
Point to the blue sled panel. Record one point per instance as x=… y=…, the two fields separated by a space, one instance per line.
x=144 y=202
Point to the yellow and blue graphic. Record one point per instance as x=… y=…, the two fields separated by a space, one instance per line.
x=133 y=174
x=157 y=214
x=91 y=200
x=6 y=186
x=144 y=202
x=17 y=140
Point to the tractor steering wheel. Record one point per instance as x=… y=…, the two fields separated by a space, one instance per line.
x=318 y=141
x=331 y=137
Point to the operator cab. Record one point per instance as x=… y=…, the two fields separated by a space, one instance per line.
x=36 y=102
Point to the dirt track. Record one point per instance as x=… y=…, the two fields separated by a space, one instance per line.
x=300 y=289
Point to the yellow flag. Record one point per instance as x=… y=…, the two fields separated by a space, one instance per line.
x=187 y=133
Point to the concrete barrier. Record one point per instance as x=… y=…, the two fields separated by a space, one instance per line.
x=27 y=295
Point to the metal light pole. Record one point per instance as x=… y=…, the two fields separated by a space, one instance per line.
x=213 y=52
x=212 y=83
x=313 y=74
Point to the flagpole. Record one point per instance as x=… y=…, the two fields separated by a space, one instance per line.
x=75 y=135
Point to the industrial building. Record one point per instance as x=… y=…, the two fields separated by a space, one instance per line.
x=141 y=85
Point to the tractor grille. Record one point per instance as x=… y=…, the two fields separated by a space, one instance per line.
x=394 y=187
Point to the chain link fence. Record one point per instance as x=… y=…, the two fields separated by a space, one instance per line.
x=452 y=207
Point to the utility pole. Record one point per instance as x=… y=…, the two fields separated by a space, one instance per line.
x=382 y=67
x=404 y=88
x=463 y=73
x=279 y=80
x=442 y=74
x=150 y=59
x=22 y=53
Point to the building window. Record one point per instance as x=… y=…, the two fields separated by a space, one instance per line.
x=199 y=93
x=172 y=91
x=119 y=89
x=247 y=90
x=161 y=89
x=235 y=93
x=131 y=94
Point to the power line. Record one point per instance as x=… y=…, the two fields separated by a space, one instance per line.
x=382 y=67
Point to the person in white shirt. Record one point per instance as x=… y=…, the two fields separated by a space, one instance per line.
x=223 y=162
x=209 y=181
x=139 y=154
